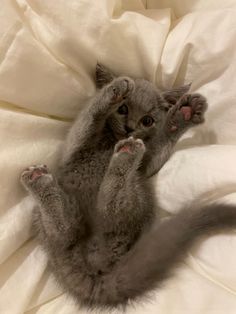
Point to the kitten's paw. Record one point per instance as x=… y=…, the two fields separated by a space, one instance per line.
x=120 y=88
x=130 y=146
x=128 y=154
x=189 y=111
x=193 y=108
x=31 y=174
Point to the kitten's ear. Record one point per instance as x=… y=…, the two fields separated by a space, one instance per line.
x=173 y=95
x=103 y=76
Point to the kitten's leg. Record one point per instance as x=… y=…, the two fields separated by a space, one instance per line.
x=92 y=120
x=58 y=216
x=125 y=196
x=188 y=112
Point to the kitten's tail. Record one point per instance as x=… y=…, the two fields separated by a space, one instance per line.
x=156 y=254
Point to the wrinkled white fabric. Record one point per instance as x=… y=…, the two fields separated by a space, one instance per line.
x=48 y=52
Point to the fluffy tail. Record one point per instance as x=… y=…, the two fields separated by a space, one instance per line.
x=159 y=251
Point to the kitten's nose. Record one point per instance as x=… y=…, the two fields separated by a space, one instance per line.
x=128 y=129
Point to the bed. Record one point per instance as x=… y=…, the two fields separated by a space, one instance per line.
x=48 y=52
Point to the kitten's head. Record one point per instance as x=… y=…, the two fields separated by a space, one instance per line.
x=143 y=112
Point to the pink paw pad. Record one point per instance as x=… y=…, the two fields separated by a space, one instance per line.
x=36 y=174
x=187 y=112
x=125 y=149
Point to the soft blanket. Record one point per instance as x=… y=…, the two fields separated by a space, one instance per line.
x=48 y=52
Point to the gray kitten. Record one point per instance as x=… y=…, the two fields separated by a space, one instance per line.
x=97 y=217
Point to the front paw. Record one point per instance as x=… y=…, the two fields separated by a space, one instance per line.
x=120 y=88
x=189 y=111
x=31 y=175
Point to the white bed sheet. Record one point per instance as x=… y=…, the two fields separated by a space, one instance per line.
x=48 y=52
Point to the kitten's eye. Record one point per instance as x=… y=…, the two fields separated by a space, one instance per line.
x=147 y=121
x=123 y=109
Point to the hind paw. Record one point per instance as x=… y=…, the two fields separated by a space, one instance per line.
x=130 y=146
x=32 y=174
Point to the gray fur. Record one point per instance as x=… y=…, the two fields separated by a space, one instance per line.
x=97 y=217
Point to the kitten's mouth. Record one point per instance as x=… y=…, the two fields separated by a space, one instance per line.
x=121 y=136
x=119 y=133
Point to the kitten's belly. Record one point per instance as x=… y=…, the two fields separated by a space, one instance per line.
x=82 y=177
